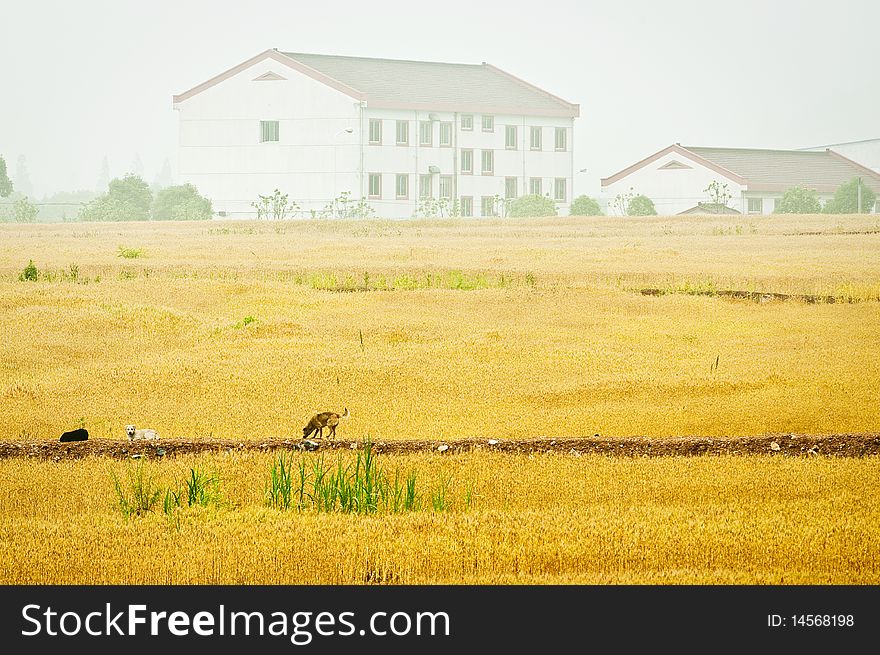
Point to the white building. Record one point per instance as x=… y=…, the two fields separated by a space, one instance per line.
x=676 y=177
x=866 y=152
x=392 y=132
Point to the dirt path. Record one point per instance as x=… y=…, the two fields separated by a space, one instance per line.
x=843 y=445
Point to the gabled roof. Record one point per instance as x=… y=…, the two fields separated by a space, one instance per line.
x=401 y=84
x=681 y=151
x=770 y=170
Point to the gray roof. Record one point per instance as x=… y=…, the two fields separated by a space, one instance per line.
x=480 y=88
x=778 y=170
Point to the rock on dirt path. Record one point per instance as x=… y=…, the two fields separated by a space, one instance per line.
x=842 y=445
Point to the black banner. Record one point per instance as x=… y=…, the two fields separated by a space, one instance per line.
x=436 y=618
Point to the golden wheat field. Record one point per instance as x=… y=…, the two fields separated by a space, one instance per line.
x=439 y=330
x=540 y=519
x=467 y=328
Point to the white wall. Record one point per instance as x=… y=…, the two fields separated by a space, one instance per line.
x=220 y=150
x=771 y=200
x=390 y=159
x=673 y=190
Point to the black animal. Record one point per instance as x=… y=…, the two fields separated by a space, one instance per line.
x=75 y=435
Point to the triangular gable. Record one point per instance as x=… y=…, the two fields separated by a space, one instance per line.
x=281 y=59
x=268 y=77
x=674 y=165
x=683 y=152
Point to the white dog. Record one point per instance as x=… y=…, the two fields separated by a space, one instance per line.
x=137 y=435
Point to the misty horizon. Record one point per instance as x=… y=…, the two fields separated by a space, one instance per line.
x=99 y=78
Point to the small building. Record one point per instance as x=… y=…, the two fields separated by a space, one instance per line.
x=676 y=178
x=401 y=135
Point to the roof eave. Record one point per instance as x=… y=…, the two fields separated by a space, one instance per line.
x=860 y=167
x=571 y=107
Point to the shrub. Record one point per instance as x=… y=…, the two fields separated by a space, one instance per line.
x=30 y=273
x=846 y=199
x=277 y=206
x=585 y=206
x=798 y=200
x=181 y=203
x=128 y=199
x=344 y=206
x=532 y=206
x=129 y=253
x=641 y=206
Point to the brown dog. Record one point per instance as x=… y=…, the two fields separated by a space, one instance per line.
x=324 y=420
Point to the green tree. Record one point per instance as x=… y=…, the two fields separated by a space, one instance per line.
x=5 y=182
x=532 y=206
x=585 y=206
x=641 y=206
x=127 y=199
x=620 y=204
x=846 y=198
x=181 y=203
x=24 y=211
x=798 y=200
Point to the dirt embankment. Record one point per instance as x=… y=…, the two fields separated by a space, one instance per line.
x=841 y=445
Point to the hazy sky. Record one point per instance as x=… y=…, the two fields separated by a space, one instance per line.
x=88 y=79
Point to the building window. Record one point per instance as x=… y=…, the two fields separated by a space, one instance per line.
x=535 y=141
x=487 y=206
x=756 y=205
x=402 y=185
x=268 y=131
x=510 y=187
x=376 y=131
x=510 y=137
x=535 y=186
x=402 y=133
x=488 y=162
x=467 y=162
x=561 y=139
x=467 y=205
x=425 y=186
x=425 y=133
x=467 y=122
x=445 y=133
x=446 y=186
x=488 y=123
x=559 y=189
x=375 y=185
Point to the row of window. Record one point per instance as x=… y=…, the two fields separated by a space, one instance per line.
x=426 y=134
x=269 y=132
x=426 y=184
